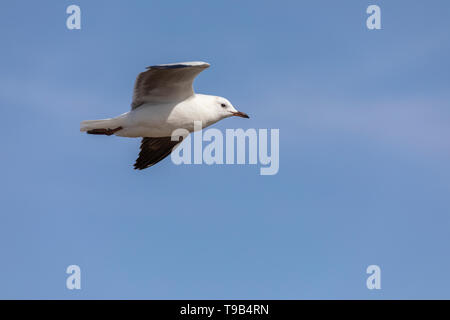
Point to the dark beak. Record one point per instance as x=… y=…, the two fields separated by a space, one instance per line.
x=240 y=114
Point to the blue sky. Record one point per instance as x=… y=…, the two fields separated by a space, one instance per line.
x=364 y=119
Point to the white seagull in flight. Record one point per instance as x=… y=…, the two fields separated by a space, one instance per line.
x=163 y=101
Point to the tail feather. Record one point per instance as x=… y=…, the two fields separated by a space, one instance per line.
x=103 y=126
x=96 y=124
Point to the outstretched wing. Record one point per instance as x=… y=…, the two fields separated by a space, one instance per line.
x=166 y=83
x=153 y=150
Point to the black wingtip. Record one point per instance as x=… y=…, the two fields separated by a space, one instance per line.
x=153 y=150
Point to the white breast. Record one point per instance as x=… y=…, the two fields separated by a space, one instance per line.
x=150 y=120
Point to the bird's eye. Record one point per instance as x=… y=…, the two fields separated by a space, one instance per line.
x=223 y=105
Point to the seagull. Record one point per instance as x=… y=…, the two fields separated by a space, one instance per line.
x=164 y=101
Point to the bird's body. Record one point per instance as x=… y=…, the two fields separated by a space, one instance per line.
x=160 y=120
x=163 y=102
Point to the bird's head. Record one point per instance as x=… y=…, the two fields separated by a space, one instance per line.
x=226 y=109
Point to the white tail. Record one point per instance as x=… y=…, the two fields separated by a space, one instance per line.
x=99 y=124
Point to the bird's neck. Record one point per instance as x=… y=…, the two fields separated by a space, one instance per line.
x=205 y=105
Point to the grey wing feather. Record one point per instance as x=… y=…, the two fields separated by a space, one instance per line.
x=166 y=83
